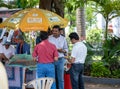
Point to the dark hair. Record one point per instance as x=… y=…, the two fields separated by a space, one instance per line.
x=74 y=35
x=1 y=20
x=43 y=35
x=56 y=26
x=20 y=37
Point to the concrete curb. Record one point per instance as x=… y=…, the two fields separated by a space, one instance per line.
x=111 y=81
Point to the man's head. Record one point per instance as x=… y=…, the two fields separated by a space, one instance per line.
x=20 y=39
x=7 y=44
x=74 y=37
x=43 y=35
x=56 y=30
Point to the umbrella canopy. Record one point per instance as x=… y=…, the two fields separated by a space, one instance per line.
x=34 y=19
x=1 y=25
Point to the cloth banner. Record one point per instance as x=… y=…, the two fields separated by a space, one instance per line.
x=18 y=75
x=15 y=77
x=30 y=75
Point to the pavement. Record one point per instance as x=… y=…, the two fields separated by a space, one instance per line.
x=97 y=86
x=100 y=86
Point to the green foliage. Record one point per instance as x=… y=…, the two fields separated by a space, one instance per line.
x=70 y=9
x=89 y=60
x=70 y=12
x=99 y=70
x=9 y=5
x=110 y=58
x=116 y=73
x=109 y=9
x=27 y=3
x=111 y=48
x=74 y=4
x=90 y=15
x=94 y=36
x=20 y=4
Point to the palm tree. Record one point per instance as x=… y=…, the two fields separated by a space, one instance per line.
x=109 y=9
x=80 y=22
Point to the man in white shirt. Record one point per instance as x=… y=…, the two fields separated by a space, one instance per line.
x=7 y=52
x=61 y=44
x=78 y=56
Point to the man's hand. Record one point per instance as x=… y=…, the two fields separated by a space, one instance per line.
x=35 y=59
x=61 y=50
x=71 y=59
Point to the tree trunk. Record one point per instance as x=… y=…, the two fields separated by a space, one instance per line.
x=106 y=28
x=45 y=4
x=56 y=6
x=80 y=18
x=59 y=7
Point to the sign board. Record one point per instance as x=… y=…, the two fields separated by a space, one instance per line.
x=7 y=13
x=10 y=35
x=2 y=32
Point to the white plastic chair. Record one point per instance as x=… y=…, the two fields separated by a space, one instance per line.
x=41 y=83
x=3 y=77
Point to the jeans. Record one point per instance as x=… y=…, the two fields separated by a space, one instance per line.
x=76 y=72
x=59 y=71
x=46 y=70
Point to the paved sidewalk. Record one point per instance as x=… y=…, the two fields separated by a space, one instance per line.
x=100 y=86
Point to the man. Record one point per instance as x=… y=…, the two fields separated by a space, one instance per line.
x=7 y=52
x=45 y=53
x=61 y=44
x=22 y=46
x=62 y=32
x=78 y=55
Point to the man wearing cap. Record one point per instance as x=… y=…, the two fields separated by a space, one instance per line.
x=7 y=52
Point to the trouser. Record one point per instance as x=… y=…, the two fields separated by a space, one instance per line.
x=76 y=72
x=59 y=71
x=46 y=70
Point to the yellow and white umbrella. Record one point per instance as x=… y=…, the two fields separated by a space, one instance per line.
x=1 y=25
x=34 y=20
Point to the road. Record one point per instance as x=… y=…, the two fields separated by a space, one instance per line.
x=100 y=86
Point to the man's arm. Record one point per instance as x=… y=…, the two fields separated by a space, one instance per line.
x=65 y=47
x=55 y=58
x=4 y=57
x=71 y=60
x=34 y=54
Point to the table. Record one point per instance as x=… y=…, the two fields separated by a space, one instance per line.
x=19 y=71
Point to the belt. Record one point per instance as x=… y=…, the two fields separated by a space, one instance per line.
x=78 y=63
x=60 y=58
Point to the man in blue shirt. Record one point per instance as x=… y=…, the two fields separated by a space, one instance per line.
x=22 y=46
